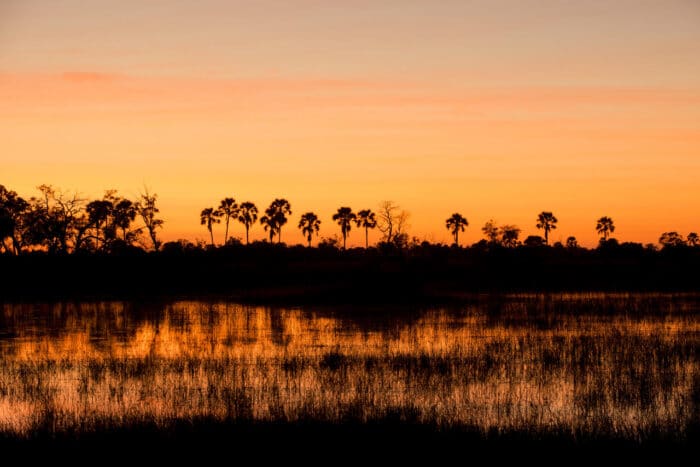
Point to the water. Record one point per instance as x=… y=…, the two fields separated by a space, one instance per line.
x=611 y=366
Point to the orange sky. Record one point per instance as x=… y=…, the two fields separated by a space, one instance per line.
x=582 y=110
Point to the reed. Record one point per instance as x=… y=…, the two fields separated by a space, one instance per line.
x=579 y=366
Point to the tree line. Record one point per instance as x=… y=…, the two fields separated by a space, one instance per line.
x=62 y=223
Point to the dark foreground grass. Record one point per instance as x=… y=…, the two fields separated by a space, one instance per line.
x=376 y=442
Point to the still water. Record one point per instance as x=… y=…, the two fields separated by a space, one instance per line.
x=622 y=366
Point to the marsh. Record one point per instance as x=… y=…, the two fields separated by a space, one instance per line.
x=579 y=366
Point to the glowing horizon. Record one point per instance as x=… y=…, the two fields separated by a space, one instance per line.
x=583 y=110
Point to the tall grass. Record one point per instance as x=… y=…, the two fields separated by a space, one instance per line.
x=591 y=366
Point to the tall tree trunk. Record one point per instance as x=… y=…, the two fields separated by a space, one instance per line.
x=457 y=237
x=247 y=242
x=211 y=232
x=366 y=237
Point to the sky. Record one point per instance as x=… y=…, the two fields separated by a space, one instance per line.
x=494 y=109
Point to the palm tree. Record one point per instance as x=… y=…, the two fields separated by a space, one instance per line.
x=247 y=215
x=368 y=220
x=228 y=209
x=692 y=239
x=455 y=224
x=269 y=225
x=309 y=223
x=571 y=242
x=275 y=217
x=546 y=221
x=209 y=217
x=344 y=218
x=604 y=226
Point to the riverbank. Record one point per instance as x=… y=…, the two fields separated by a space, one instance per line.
x=280 y=274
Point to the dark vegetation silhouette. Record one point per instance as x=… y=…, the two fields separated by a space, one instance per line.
x=60 y=244
x=228 y=209
x=455 y=224
x=275 y=217
x=671 y=239
x=309 y=224
x=209 y=217
x=605 y=227
x=344 y=217
x=547 y=222
x=366 y=219
x=146 y=208
x=247 y=215
x=693 y=239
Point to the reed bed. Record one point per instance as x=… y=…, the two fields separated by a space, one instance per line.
x=587 y=366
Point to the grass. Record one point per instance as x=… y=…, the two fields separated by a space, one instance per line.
x=572 y=370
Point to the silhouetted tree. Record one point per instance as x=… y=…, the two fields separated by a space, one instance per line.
x=546 y=221
x=124 y=213
x=671 y=239
x=344 y=217
x=491 y=231
x=693 y=239
x=50 y=219
x=329 y=243
x=275 y=217
x=247 y=215
x=533 y=241
x=209 y=217
x=309 y=224
x=455 y=224
x=99 y=218
x=509 y=235
x=392 y=221
x=571 y=243
x=605 y=226
x=12 y=211
x=366 y=219
x=269 y=225
x=146 y=208
x=227 y=209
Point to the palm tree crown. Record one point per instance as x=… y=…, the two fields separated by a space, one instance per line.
x=367 y=220
x=247 y=215
x=344 y=218
x=228 y=209
x=455 y=224
x=309 y=224
x=546 y=221
x=208 y=217
x=605 y=226
x=275 y=217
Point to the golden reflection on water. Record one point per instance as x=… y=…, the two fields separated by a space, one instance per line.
x=621 y=366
